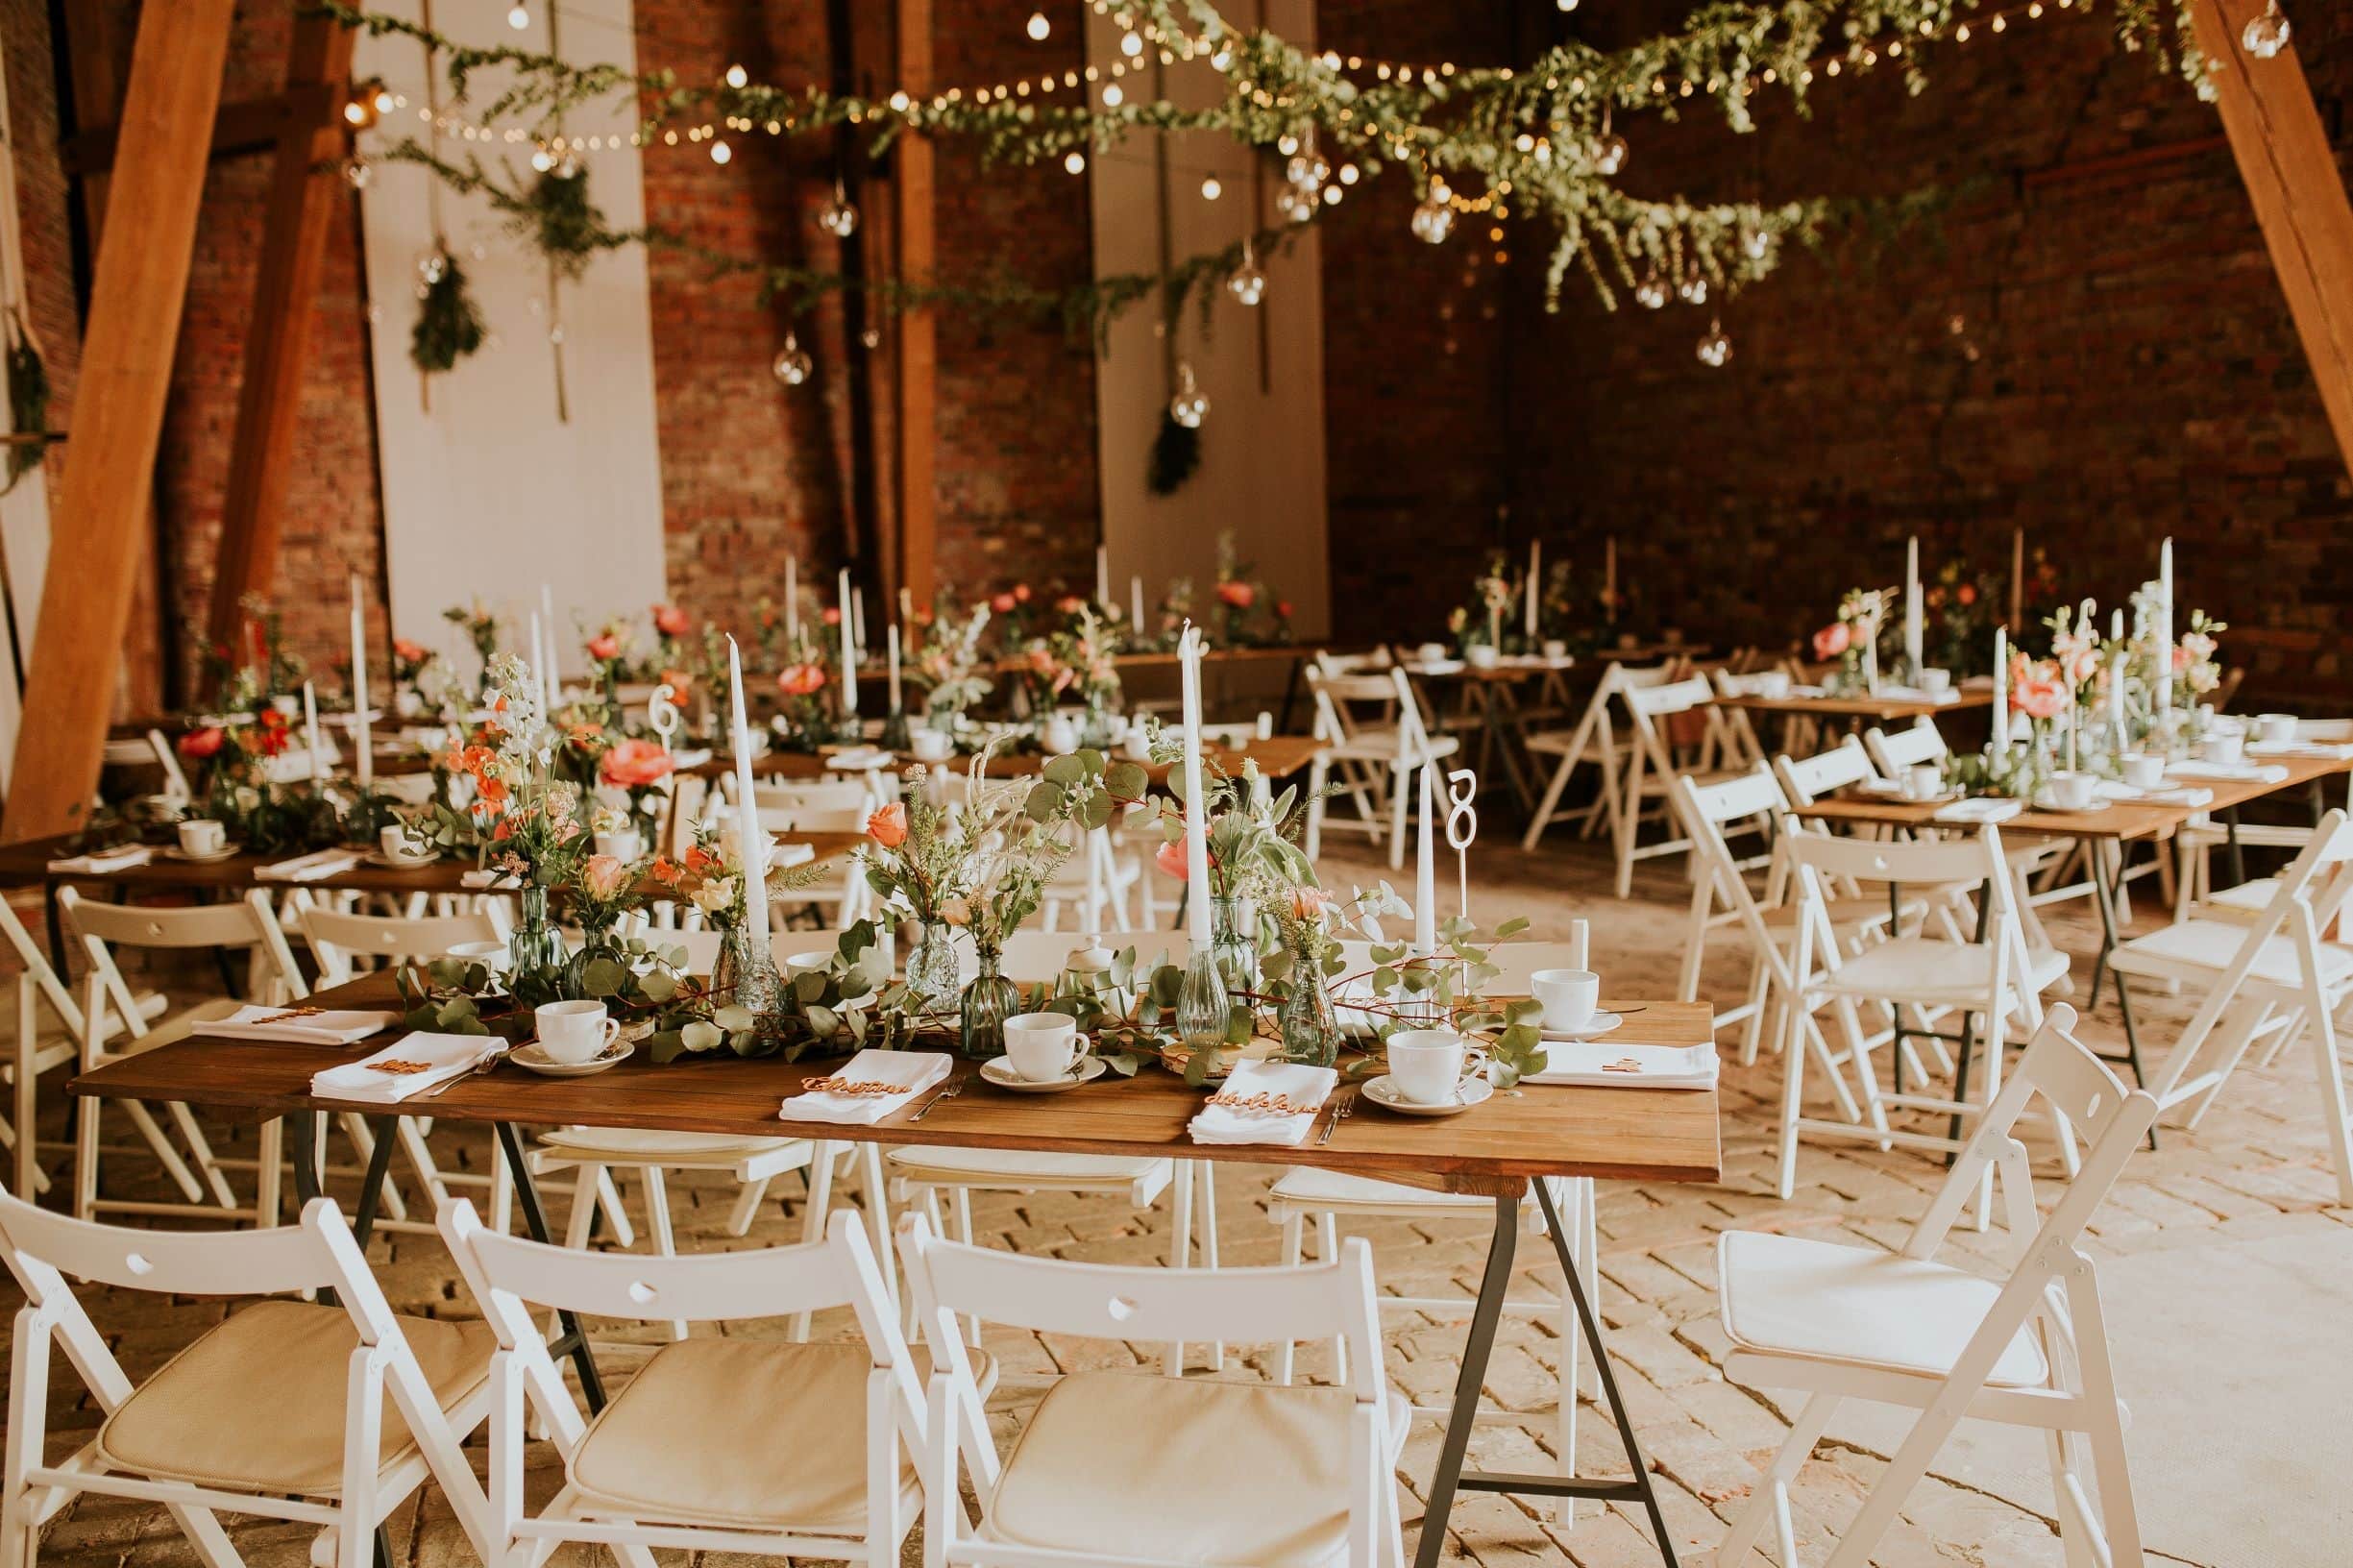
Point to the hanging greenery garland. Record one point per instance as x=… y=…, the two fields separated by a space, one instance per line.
x=449 y=324
x=1176 y=455
x=559 y=221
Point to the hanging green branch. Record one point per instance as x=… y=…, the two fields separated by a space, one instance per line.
x=1176 y=454
x=449 y=324
x=559 y=221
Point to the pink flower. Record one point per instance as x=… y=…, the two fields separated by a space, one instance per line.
x=1003 y=604
x=801 y=680
x=2035 y=691
x=1169 y=857
x=670 y=621
x=1833 y=640
x=1020 y=593
x=632 y=763
x=888 y=826
x=604 y=878
x=1240 y=595
x=406 y=652
x=1071 y=605
x=199 y=744
x=604 y=646
x=1310 y=903
x=833 y=615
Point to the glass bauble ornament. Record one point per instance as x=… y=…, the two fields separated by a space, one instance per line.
x=1651 y=293
x=1248 y=285
x=838 y=217
x=1756 y=244
x=357 y=173
x=1305 y=170
x=2268 y=34
x=1610 y=154
x=1189 y=406
x=792 y=365
x=1692 y=290
x=433 y=265
x=1715 y=349
x=1295 y=205
x=1433 y=220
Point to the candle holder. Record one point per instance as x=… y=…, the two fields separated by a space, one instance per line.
x=746 y=975
x=896 y=733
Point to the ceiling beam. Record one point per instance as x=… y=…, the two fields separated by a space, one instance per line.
x=250 y=125
x=918 y=382
x=138 y=294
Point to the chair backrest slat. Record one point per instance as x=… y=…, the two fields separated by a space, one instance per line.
x=265 y=1262
x=1894 y=750
x=1808 y=780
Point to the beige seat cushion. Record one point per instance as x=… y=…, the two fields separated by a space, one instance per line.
x=1307 y=1187
x=622 y=1144
x=717 y=1431
x=256 y=1404
x=1021 y=1168
x=1239 y=1473
x=1788 y=1296
x=2214 y=944
x=1924 y=970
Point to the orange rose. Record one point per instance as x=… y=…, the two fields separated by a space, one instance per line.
x=801 y=680
x=1240 y=595
x=604 y=646
x=888 y=826
x=199 y=744
x=632 y=763
x=670 y=621
x=1832 y=640
x=406 y=652
x=1003 y=604
x=678 y=682
x=1169 y=857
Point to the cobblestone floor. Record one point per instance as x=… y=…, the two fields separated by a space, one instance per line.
x=2253 y=1176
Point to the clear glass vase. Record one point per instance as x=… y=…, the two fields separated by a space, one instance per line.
x=931 y=967
x=745 y=975
x=597 y=943
x=987 y=1002
x=1310 y=1029
x=1203 y=1008
x=1234 y=937
x=536 y=950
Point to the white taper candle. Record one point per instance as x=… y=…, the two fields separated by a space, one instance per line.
x=361 y=741
x=750 y=841
x=1196 y=815
x=1426 y=878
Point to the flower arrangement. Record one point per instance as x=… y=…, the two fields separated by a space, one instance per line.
x=947 y=665
x=480 y=625
x=1960 y=610
x=255 y=667
x=261 y=813
x=1175 y=609
x=1081 y=658
x=520 y=818
x=1852 y=640
x=612 y=657
x=1247 y=614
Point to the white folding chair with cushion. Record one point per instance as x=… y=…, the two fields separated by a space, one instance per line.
x=1239 y=1472
x=1985 y=982
x=2267 y=978
x=1374 y=762
x=1593 y=741
x=245 y=925
x=735 y=1444
x=279 y=1411
x=1305 y=1193
x=2030 y=1349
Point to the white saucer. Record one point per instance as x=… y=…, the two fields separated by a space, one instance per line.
x=998 y=1071
x=2099 y=803
x=1383 y=1094
x=536 y=1060
x=1601 y=1023
x=394 y=863
x=861 y=760
x=226 y=851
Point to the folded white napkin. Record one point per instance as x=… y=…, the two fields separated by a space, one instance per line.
x=791 y=855
x=910 y=1073
x=2116 y=789
x=2186 y=795
x=1919 y=694
x=1881 y=786
x=441 y=1057
x=120 y=858
x=1296 y=1083
x=2327 y=751
x=1802 y=690
x=313 y=867
x=481 y=877
x=1589 y=1063
x=1978 y=809
x=334 y=1027
x=2261 y=772
x=693 y=756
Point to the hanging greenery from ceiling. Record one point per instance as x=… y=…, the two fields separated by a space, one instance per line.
x=449 y=324
x=1539 y=141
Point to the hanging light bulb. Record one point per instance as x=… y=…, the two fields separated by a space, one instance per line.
x=2268 y=34
x=1715 y=348
x=1039 y=26
x=1756 y=244
x=1652 y=292
x=838 y=217
x=1692 y=290
x=1131 y=44
x=738 y=78
x=1212 y=189
x=721 y=152
x=1435 y=218
x=519 y=17
x=1566 y=5
x=1075 y=161
x=871 y=337
x=1248 y=285
x=542 y=159
x=1189 y=406
x=792 y=364
x=433 y=265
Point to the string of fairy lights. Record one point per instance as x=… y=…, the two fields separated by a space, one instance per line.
x=1541 y=139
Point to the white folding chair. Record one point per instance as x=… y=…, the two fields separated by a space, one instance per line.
x=831 y=806
x=719 y=1443
x=1650 y=772
x=1305 y=1193
x=1594 y=741
x=279 y=1411
x=2030 y=1349
x=2270 y=977
x=245 y=925
x=1239 y=1472
x=1985 y=981
x=1374 y=762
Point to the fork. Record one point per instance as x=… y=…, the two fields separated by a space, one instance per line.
x=1346 y=1103
x=483 y=1066
x=955 y=1087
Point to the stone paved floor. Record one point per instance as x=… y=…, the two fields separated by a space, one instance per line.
x=2253 y=1174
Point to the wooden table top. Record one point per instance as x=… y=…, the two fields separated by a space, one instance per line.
x=1863 y=707
x=2121 y=820
x=1626 y=1134
x=1278 y=756
x=27 y=864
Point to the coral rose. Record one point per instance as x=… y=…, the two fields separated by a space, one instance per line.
x=406 y=652
x=801 y=680
x=2037 y=692
x=632 y=763
x=670 y=621
x=1833 y=640
x=1169 y=857
x=1240 y=595
x=604 y=646
x=199 y=744
x=1020 y=593
x=680 y=681
x=1003 y=604
x=888 y=826
x=833 y=615
x=604 y=878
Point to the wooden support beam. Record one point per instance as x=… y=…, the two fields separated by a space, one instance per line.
x=250 y=125
x=2290 y=173
x=136 y=298
x=919 y=351
x=303 y=197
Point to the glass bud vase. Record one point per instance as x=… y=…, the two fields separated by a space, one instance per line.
x=931 y=967
x=1234 y=937
x=597 y=944
x=987 y=1002
x=537 y=949
x=1203 y=1008
x=745 y=976
x=1311 y=1028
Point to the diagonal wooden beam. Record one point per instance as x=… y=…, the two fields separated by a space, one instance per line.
x=303 y=199
x=136 y=297
x=2290 y=172
x=250 y=125
x=918 y=346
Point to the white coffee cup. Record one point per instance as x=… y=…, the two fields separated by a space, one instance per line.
x=1059 y=736
x=1482 y=655
x=1431 y=653
x=931 y=745
x=1138 y=744
x=574 y=1031
x=1935 y=681
x=1040 y=1047
x=808 y=962
x=1428 y=1066
x=1922 y=781
x=1773 y=684
x=2275 y=728
x=2143 y=769
x=2072 y=792
x=203 y=836
x=626 y=844
x=490 y=955
x=1569 y=997
x=1556 y=649
x=2227 y=746
x=399 y=845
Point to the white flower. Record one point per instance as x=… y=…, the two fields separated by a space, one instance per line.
x=713 y=896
